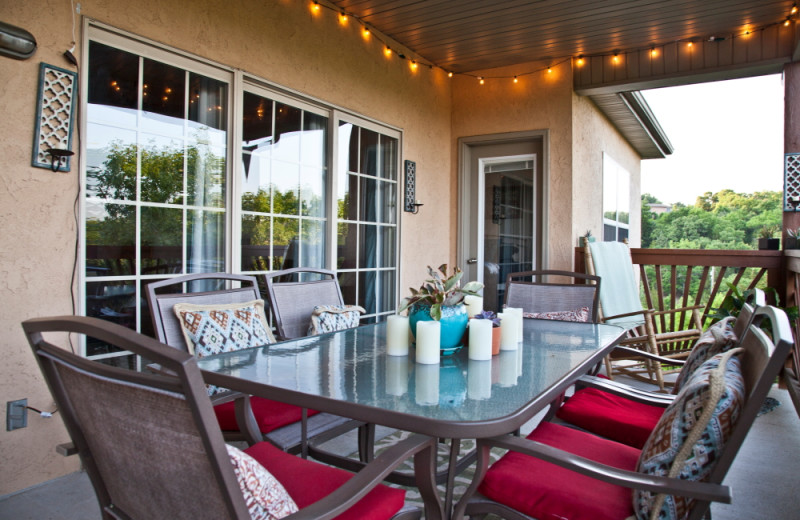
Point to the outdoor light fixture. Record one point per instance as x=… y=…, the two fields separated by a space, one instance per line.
x=15 y=42
x=411 y=205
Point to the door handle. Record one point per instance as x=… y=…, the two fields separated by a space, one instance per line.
x=472 y=261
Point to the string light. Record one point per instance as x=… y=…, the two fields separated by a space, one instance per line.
x=450 y=74
x=549 y=70
x=580 y=60
x=516 y=80
x=794 y=9
x=414 y=65
x=365 y=32
x=315 y=7
x=615 y=59
x=342 y=18
x=653 y=52
x=787 y=22
x=480 y=80
x=387 y=52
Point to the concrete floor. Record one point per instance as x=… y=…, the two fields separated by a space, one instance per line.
x=763 y=479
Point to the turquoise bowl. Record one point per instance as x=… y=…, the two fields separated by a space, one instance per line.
x=453 y=323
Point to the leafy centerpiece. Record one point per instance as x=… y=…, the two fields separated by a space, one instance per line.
x=441 y=298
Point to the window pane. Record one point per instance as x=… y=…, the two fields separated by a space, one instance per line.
x=388 y=258
x=285 y=243
x=367 y=290
x=347 y=238
x=313 y=244
x=163 y=98
x=368 y=252
x=315 y=140
x=389 y=158
x=368 y=200
x=110 y=301
x=111 y=155
x=348 y=209
x=388 y=298
x=312 y=192
x=110 y=239
x=347 y=283
x=205 y=241
x=369 y=152
x=287 y=133
x=388 y=202
x=208 y=105
x=257 y=189
x=162 y=166
x=286 y=181
x=113 y=81
x=206 y=178
x=256 y=240
x=162 y=240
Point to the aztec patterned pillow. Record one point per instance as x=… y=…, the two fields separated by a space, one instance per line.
x=218 y=328
x=717 y=339
x=582 y=315
x=330 y=318
x=688 y=438
x=265 y=496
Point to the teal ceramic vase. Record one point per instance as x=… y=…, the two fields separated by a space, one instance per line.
x=453 y=323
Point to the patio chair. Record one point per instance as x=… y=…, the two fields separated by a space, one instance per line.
x=152 y=448
x=561 y=472
x=627 y=414
x=293 y=294
x=648 y=329
x=287 y=426
x=530 y=291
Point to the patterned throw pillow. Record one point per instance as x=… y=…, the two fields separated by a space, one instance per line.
x=330 y=318
x=218 y=328
x=266 y=498
x=582 y=315
x=717 y=339
x=689 y=437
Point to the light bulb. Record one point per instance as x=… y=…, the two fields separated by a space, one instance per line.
x=794 y=9
x=342 y=18
x=787 y=22
x=690 y=44
x=480 y=80
x=449 y=74
x=516 y=80
x=413 y=65
x=549 y=70
x=615 y=59
x=387 y=51
x=580 y=60
x=315 y=7
x=653 y=52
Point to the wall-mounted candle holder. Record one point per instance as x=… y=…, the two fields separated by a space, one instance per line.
x=411 y=204
x=54 y=118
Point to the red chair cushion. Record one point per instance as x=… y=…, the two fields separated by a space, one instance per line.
x=269 y=414
x=307 y=482
x=611 y=416
x=549 y=492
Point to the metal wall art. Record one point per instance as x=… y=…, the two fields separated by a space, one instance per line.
x=52 y=139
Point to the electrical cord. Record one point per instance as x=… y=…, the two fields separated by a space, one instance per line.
x=42 y=413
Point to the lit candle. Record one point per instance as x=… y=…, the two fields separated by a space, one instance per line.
x=397 y=335
x=428 y=341
x=426 y=384
x=396 y=375
x=517 y=312
x=479 y=380
x=508 y=331
x=480 y=339
x=474 y=304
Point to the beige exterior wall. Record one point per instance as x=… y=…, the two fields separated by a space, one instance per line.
x=284 y=43
x=594 y=135
x=279 y=41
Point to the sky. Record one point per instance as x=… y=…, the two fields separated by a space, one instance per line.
x=727 y=134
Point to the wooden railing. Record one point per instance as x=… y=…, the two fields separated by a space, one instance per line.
x=791 y=375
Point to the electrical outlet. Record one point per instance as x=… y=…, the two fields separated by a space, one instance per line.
x=16 y=414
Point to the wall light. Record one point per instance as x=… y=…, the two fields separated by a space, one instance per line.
x=16 y=43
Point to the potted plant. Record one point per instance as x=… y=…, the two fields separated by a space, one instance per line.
x=489 y=315
x=766 y=240
x=441 y=298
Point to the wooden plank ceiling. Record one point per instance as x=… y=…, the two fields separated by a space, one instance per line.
x=470 y=35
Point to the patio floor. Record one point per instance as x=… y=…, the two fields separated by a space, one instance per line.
x=761 y=478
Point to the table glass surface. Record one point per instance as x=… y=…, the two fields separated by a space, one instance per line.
x=353 y=366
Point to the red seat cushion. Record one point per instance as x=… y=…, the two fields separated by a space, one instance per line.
x=549 y=492
x=611 y=416
x=269 y=414
x=307 y=482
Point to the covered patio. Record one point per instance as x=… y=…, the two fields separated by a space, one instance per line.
x=397 y=106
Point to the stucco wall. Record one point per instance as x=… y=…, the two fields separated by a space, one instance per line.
x=593 y=134
x=539 y=101
x=280 y=41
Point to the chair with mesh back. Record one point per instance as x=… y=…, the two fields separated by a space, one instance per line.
x=152 y=447
x=286 y=426
x=562 y=472
x=293 y=294
x=553 y=292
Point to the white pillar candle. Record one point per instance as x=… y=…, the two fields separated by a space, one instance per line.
x=426 y=384
x=517 y=312
x=428 y=341
x=397 y=335
x=479 y=379
x=480 y=339
x=509 y=362
x=474 y=304
x=508 y=331
x=396 y=375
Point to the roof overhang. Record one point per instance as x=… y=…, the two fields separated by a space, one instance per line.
x=631 y=115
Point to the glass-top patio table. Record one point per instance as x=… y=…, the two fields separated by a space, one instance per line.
x=348 y=373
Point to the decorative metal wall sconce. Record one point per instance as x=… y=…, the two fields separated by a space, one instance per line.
x=411 y=204
x=791 y=182
x=54 y=118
